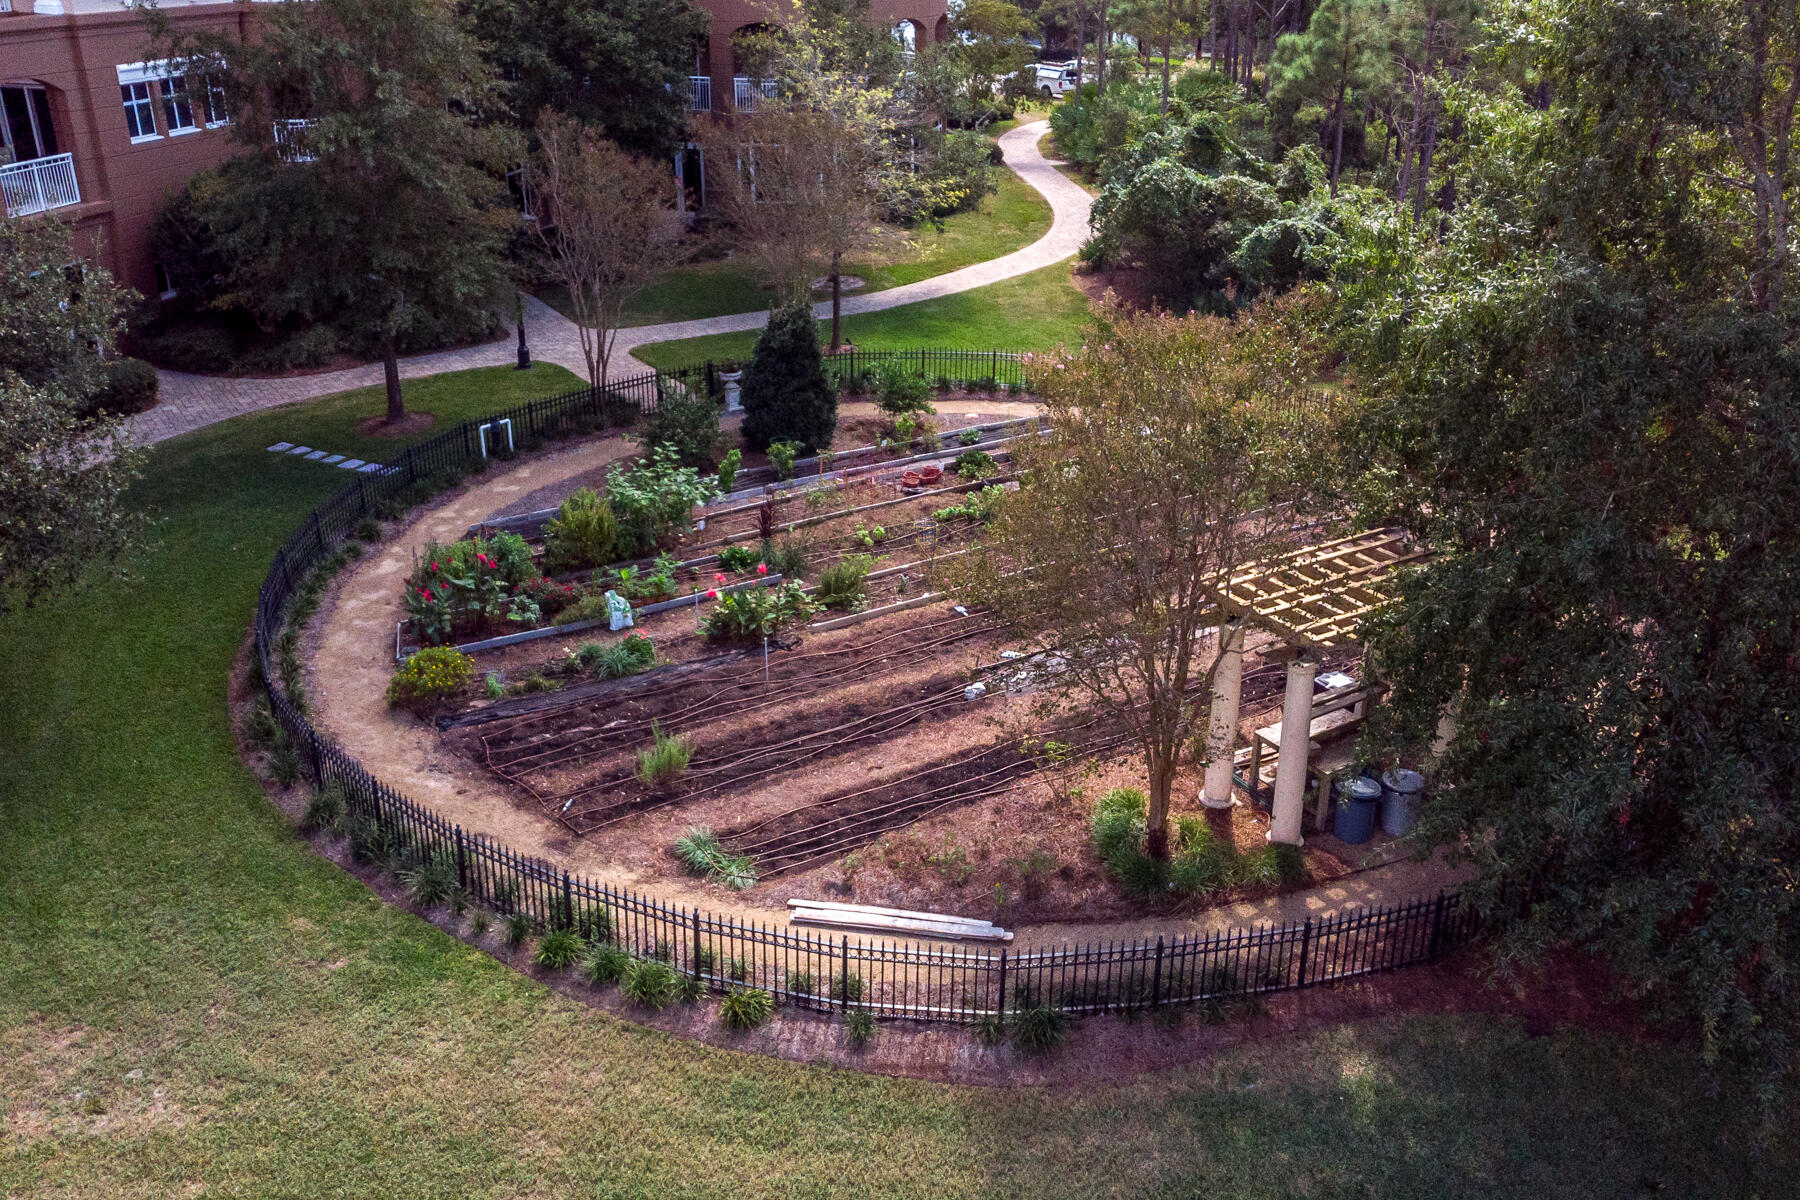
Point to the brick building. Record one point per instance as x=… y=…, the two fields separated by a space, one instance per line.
x=98 y=133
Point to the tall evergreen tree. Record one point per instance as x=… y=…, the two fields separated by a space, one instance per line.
x=1340 y=57
x=786 y=395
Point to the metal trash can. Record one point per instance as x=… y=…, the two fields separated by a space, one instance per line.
x=1400 y=801
x=1357 y=801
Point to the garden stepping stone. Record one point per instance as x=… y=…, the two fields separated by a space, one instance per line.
x=301 y=450
x=335 y=458
x=315 y=455
x=350 y=464
x=324 y=458
x=366 y=468
x=280 y=447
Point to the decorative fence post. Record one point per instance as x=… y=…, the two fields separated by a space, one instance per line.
x=462 y=862
x=696 y=953
x=1437 y=927
x=568 y=904
x=1305 y=945
x=844 y=970
x=1156 y=975
x=1000 y=996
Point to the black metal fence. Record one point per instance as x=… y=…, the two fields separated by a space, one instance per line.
x=807 y=969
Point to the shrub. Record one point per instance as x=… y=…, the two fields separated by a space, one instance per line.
x=284 y=761
x=518 y=928
x=800 y=983
x=849 y=987
x=1039 y=1028
x=478 y=924
x=651 y=983
x=975 y=464
x=738 y=559
x=582 y=534
x=653 y=501
x=604 y=963
x=728 y=469
x=901 y=390
x=202 y=345
x=700 y=852
x=785 y=394
x=429 y=677
x=977 y=506
x=688 y=426
x=746 y=1008
x=629 y=657
x=758 y=612
x=786 y=559
x=325 y=809
x=989 y=1029
x=431 y=881
x=781 y=458
x=841 y=586
x=558 y=949
x=859 y=1023
x=663 y=761
x=128 y=385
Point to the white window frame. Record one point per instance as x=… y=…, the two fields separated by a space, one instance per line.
x=178 y=97
x=142 y=107
x=214 y=101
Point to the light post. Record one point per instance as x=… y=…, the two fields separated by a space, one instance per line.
x=524 y=352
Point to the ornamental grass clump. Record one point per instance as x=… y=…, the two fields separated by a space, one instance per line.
x=431 y=881
x=604 y=963
x=582 y=534
x=558 y=950
x=1199 y=862
x=651 y=983
x=842 y=585
x=746 y=1008
x=617 y=661
x=1039 y=1029
x=429 y=678
x=662 y=762
x=701 y=853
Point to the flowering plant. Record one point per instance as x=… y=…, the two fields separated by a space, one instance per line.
x=429 y=677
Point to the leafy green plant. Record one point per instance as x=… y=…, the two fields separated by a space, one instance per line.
x=781 y=457
x=901 y=390
x=728 y=469
x=1039 y=1028
x=518 y=928
x=663 y=761
x=493 y=687
x=686 y=425
x=429 y=677
x=800 y=983
x=975 y=464
x=758 y=612
x=868 y=538
x=593 y=924
x=786 y=558
x=430 y=881
x=990 y=1029
x=700 y=852
x=582 y=534
x=859 y=1023
x=842 y=586
x=651 y=983
x=604 y=963
x=977 y=506
x=325 y=808
x=969 y=437
x=558 y=950
x=738 y=559
x=654 y=500
x=746 y=1008
x=631 y=656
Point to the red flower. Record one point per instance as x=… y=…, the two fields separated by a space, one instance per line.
x=434 y=566
x=762 y=568
x=712 y=594
x=425 y=592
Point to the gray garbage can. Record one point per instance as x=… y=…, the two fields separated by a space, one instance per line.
x=1400 y=801
x=1356 y=802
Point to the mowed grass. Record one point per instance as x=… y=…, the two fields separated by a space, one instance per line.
x=1014 y=215
x=192 y=1003
x=1037 y=311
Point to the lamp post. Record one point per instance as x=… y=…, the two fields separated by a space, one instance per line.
x=524 y=352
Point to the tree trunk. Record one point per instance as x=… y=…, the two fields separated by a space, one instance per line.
x=1156 y=818
x=1167 y=48
x=390 y=371
x=1100 y=54
x=837 y=298
x=1337 y=119
x=1422 y=185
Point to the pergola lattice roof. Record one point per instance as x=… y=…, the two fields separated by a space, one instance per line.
x=1315 y=596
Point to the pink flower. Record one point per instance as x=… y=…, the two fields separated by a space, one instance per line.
x=718 y=578
x=762 y=568
x=712 y=593
x=425 y=592
x=434 y=566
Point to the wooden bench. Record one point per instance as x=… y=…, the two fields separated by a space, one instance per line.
x=902 y=922
x=1336 y=714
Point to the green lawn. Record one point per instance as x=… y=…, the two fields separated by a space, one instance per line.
x=1031 y=312
x=192 y=1003
x=1014 y=215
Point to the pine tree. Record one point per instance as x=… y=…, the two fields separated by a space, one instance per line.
x=786 y=395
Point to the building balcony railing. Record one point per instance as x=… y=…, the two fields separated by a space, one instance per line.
x=748 y=92
x=39 y=184
x=291 y=141
x=699 y=93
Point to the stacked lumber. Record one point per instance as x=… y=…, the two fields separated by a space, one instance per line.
x=899 y=921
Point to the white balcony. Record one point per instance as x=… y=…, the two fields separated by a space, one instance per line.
x=39 y=184
x=748 y=92
x=291 y=141
x=699 y=93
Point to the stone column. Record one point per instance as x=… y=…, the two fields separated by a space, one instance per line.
x=1290 y=768
x=1221 y=731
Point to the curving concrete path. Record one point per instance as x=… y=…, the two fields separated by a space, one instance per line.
x=191 y=402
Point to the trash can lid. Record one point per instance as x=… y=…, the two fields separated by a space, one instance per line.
x=1404 y=781
x=1363 y=788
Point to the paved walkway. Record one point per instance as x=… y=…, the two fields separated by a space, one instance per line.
x=190 y=402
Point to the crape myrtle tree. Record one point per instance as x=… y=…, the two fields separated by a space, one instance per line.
x=384 y=209
x=621 y=65
x=1178 y=450
x=63 y=474
x=1586 y=389
x=606 y=226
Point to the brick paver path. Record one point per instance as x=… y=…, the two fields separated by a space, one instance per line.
x=190 y=402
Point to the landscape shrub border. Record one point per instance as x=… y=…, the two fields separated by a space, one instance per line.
x=971 y=986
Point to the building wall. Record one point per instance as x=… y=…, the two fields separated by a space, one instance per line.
x=929 y=18
x=75 y=55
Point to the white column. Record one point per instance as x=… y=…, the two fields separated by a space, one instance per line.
x=1221 y=732
x=1290 y=769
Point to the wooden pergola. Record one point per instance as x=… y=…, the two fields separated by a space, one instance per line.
x=1312 y=598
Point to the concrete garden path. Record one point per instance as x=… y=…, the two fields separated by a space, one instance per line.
x=190 y=402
